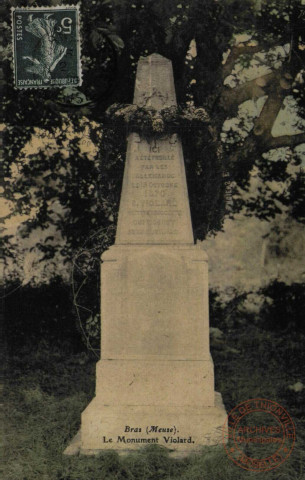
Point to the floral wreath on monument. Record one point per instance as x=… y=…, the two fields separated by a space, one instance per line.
x=149 y=122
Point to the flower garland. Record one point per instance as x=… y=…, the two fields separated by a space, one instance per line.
x=149 y=122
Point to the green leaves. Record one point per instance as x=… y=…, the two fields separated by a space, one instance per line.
x=116 y=40
x=73 y=96
x=98 y=35
x=73 y=179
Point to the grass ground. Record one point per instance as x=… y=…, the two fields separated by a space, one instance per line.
x=47 y=387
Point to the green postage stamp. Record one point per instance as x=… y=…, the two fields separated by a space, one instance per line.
x=46 y=44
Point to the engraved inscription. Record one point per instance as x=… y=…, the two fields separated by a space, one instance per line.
x=156 y=191
x=155 y=201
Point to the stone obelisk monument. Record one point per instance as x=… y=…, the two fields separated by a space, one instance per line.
x=155 y=379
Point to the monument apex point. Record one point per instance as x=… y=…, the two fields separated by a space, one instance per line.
x=154 y=57
x=155 y=83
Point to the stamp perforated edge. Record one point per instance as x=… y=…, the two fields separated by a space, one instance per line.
x=78 y=44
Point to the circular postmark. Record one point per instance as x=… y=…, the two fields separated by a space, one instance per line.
x=258 y=435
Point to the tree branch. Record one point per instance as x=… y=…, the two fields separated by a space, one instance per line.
x=286 y=141
x=236 y=51
x=264 y=123
x=232 y=97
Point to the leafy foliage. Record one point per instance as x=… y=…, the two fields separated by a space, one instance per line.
x=284 y=311
x=65 y=148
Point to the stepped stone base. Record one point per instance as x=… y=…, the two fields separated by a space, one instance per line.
x=155 y=380
x=122 y=382
x=182 y=430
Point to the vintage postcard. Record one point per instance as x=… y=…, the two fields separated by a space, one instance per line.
x=154 y=239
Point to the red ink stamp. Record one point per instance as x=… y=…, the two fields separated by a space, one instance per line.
x=259 y=435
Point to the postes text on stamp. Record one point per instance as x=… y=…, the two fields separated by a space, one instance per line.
x=46 y=42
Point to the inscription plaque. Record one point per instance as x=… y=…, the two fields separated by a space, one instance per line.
x=154 y=203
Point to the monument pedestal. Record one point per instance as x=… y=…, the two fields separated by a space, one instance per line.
x=181 y=429
x=155 y=379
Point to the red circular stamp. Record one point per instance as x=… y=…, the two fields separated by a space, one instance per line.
x=258 y=435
